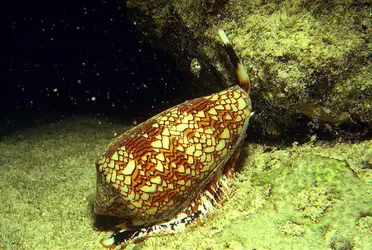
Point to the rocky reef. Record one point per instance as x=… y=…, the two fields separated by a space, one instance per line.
x=305 y=58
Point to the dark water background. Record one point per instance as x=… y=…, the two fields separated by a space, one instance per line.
x=66 y=58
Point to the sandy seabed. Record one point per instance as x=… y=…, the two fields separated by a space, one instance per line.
x=312 y=196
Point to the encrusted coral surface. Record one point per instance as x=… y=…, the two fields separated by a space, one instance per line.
x=310 y=58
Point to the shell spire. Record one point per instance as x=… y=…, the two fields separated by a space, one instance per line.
x=240 y=69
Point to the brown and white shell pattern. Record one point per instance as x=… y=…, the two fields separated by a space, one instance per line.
x=156 y=169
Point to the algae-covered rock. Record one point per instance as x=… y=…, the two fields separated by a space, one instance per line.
x=305 y=57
